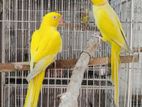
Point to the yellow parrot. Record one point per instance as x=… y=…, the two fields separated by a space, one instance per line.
x=45 y=44
x=111 y=30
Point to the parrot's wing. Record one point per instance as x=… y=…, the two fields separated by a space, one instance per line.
x=45 y=54
x=122 y=31
x=40 y=66
x=48 y=45
x=109 y=26
x=34 y=46
x=35 y=42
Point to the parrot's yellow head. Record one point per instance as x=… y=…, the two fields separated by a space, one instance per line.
x=98 y=2
x=52 y=19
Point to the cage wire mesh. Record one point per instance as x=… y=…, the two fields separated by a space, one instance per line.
x=21 y=17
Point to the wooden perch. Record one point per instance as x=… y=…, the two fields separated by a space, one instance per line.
x=69 y=99
x=69 y=63
x=9 y=67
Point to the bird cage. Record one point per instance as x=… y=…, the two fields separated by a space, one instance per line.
x=20 y=18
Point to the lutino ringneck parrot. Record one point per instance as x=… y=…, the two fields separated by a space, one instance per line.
x=111 y=30
x=45 y=44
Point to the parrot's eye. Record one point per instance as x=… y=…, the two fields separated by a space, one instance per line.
x=54 y=17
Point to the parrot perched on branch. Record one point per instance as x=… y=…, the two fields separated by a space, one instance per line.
x=45 y=44
x=111 y=30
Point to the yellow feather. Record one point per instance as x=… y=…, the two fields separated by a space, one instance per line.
x=34 y=90
x=110 y=27
x=98 y=2
x=45 y=42
x=115 y=61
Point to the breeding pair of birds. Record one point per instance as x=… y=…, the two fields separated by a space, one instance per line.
x=46 y=43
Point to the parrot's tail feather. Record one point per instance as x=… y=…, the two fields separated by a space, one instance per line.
x=115 y=61
x=33 y=92
x=35 y=85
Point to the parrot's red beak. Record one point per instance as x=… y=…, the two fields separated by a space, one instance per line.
x=61 y=22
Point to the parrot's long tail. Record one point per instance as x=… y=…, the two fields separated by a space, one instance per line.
x=115 y=61
x=33 y=92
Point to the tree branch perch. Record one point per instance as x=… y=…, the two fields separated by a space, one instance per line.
x=69 y=99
